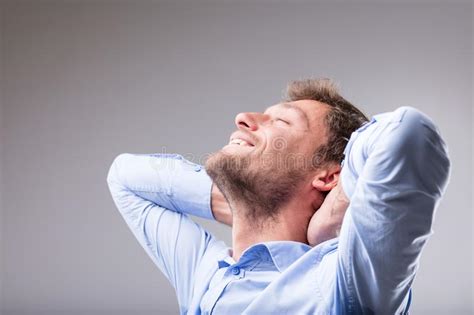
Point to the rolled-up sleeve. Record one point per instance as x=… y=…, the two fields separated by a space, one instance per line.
x=395 y=172
x=154 y=194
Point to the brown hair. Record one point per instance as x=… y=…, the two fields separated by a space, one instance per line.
x=343 y=118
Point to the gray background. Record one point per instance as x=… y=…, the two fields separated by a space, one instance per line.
x=84 y=81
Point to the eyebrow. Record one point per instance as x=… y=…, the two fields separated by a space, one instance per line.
x=298 y=110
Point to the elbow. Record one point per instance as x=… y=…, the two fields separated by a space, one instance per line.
x=115 y=182
x=414 y=127
x=418 y=141
x=113 y=173
x=419 y=135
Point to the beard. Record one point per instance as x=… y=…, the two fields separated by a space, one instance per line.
x=259 y=189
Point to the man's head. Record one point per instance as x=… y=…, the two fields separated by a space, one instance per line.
x=291 y=150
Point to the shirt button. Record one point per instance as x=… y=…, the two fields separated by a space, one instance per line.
x=197 y=168
x=235 y=270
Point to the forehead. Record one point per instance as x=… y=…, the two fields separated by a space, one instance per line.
x=313 y=109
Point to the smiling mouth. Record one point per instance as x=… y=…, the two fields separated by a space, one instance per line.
x=240 y=142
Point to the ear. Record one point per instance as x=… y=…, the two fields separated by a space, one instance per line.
x=327 y=177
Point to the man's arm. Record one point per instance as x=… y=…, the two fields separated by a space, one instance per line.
x=395 y=172
x=154 y=194
x=220 y=207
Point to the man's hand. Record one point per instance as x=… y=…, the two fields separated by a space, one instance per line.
x=327 y=220
x=220 y=207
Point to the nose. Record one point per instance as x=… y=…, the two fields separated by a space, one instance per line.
x=248 y=121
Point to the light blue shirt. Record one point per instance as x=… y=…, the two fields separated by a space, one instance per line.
x=395 y=171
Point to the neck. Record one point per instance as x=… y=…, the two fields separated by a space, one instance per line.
x=290 y=225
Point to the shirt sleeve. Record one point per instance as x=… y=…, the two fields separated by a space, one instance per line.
x=154 y=194
x=395 y=172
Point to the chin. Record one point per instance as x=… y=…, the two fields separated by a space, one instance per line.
x=228 y=159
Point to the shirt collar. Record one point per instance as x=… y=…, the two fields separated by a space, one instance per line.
x=281 y=253
x=285 y=253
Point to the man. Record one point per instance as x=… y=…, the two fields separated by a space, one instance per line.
x=309 y=236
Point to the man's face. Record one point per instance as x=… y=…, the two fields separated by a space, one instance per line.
x=269 y=155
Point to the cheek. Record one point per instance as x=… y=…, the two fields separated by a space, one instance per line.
x=279 y=144
x=279 y=152
x=279 y=140
x=307 y=147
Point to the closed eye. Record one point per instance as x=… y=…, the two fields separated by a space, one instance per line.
x=282 y=120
